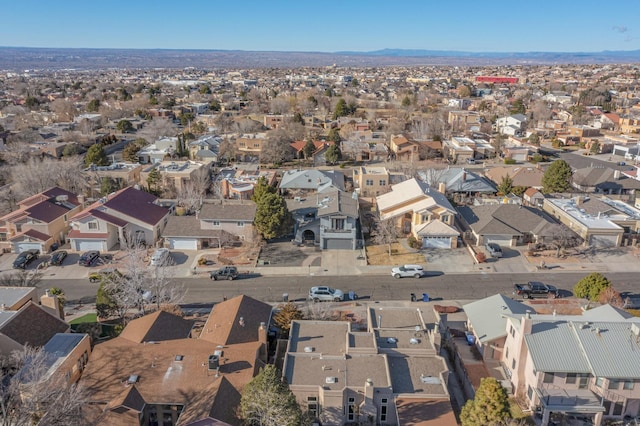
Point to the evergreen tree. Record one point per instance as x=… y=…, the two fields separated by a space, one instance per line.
x=506 y=185
x=333 y=154
x=489 y=407
x=341 y=109
x=591 y=286
x=287 y=313
x=273 y=218
x=309 y=149
x=557 y=177
x=96 y=155
x=153 y=180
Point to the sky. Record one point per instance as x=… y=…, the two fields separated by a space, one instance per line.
x=326 y=26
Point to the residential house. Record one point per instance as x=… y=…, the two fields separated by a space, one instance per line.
x=273 y=121
x=158 y=151
x=214 y=226
x=238 y=184
x=330 y=220
x=307 y=182
x=534 y=198
x=170 y=373
x=507 y=225
x=598 y=221
x=512 y=125
x=123 y=174
x=66 y=356
x=395 y=374
x=459 y=149
x=41 y=222
x=317 y=156
x=583 y=132
x=600 y=180
x=403 y=149
x=205 y=148
x=249 y=146
x=422 y=212
x=464 y=121
x=629 y=123
x=524 y=177
x=179 y=174
x=371 y=181
x=457 y=180
x=564 y=363
x=365 y=145
x=117 y=218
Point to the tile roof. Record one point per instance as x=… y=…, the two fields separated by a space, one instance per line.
x=189 y=226
x=31 y=233
x=75 y=233
x=506 y=219
x=158 y=326
x=225 y=327
x=107 y=217
x=32 y=325
x=228 y=211
x=138 y=205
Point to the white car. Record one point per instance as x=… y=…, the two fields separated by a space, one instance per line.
x=415 y=271
x=159 y=257
x=325 y=294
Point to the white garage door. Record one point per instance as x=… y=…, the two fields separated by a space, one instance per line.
x=20 y=247
x=436 y=242
x=603 y=240
x=498 y=239
x=86 y=245
x=183 y=244
x=337 y=244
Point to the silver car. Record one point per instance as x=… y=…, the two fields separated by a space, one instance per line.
x=415 y=271
x=325 y=294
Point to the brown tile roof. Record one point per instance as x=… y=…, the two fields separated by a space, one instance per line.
x=107 y=217
x=31 y=233
x=201 y=411
x=236 y=321
x=425 y=412
x=228 y=211
x=33 y=326
x=137 y=204
x=129 y=398
x=158 y=326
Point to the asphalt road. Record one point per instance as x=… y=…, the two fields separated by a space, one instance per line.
x=202 y=290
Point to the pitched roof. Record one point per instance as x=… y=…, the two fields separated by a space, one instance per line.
x=458 y=179
x=33 y=234
x=337 y=201
x=410 y=195
x=129 y=398
x=311 y=179
x=189 y=226
x=436 y=228
x=33 y=325
x=224 y=325
x=202 y=412
x=137 y=204
x=521 y=176
x=487 y=315
x=506 y=219
x=425 y=412
x=228 y=211
x=157 y=326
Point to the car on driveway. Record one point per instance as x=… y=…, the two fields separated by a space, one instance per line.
x=494 y=249
x=57 y=258
x=325 y=294
x=415 y=271
x=89 y=258
x=224 y=273
x=160 y=257
x=25 y=258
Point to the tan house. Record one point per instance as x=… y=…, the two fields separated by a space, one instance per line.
x=422 y=212
x=464 y=121
x=123 y=174
x=403 y=149
x=249 y=146
x=168 y=373
x=371 y=181
x=526 y=177
x=178 y=174
x=40 y=222
x=342 y=374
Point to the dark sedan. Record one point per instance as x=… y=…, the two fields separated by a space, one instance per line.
x=88 y=258
x=25 y=258
x=58 y=257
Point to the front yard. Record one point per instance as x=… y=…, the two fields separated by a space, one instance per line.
x=379 y=255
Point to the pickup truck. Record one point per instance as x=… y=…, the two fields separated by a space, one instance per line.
x=533 y=289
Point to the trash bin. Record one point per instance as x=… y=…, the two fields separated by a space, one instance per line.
x=425 y=297
x=352 y=295
x=413 y=297
x=285 y=297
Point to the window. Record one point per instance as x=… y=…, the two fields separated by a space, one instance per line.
x=312 y=406
x=614 y=384
x=584 y=380
x=92 y=225
x=369 y=182
x=617 y=409
x=383 y=410
x=628 y=385
x=351 y=409
x=530 y=392
x=337 y=223
x=216 y=223
x=599 y=381
x=548 y=378
x=445 y=218
x=506 y=353
x=382 y=182
x=571 y=378
x=240 y=224
x=513 y=364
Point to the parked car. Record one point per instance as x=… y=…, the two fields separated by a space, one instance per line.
x=494 y=249
x=58 y=257
x=160 y=257
x=471 y=161
x=25 y=258
x=89 y=258
x=325 y=294
x=415 y=271
x=224 y=273
x=107 y=273
x=533 y=289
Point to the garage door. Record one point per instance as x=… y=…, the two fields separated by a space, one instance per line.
x=498 y=239
x=86 y=245
x=436 y=242
x=183 y=244
x=20 y=247
x=620 y=152
x=337 y=244
x=603 y=240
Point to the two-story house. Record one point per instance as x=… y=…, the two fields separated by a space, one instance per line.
x=512 y=125
x=422 y=212
x=371 y=181
x=179 y=174
x=329 y=220
x=124 y=216
x=40 y=222
x=158 y=151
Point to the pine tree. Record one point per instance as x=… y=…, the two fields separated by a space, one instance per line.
x=557 y=177
x=490 y=405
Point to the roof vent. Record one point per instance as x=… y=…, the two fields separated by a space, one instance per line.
x=132 y=379
x=414 y=341
x=309 y=349
x=331 y=380
x=635 y=329
x=179 y=357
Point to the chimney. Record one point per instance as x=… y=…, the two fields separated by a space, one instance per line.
x=526 y=323
x=616 y=174
x=442 y=187
x=464 y=175
x=51 y=301
x=262 y=338
x=81 y=200
x=579 y=200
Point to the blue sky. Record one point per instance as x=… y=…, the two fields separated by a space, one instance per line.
x=327 y=26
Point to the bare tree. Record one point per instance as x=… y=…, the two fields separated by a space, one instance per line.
x=21 y=278
x=191 y=194
x=64 y=109
x=29 y=395
x=161 y=288
x=385 y=232
x=564 y=238
x=432 y=176
x=157 y=128
x=276 y=148
x=40 y=174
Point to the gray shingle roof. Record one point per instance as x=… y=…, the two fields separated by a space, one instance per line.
x=245 y=211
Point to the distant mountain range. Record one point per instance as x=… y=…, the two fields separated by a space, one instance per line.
x=29 y=58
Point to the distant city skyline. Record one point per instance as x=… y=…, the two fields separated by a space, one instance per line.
x=329 y=26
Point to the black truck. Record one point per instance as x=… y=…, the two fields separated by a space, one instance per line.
x=533 y=289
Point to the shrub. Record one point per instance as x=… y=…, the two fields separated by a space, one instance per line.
x=591 y=286
x=509 y=161
x=413 y=242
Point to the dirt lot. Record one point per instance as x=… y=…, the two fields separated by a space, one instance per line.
x=285 y=253
x=379 y=255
